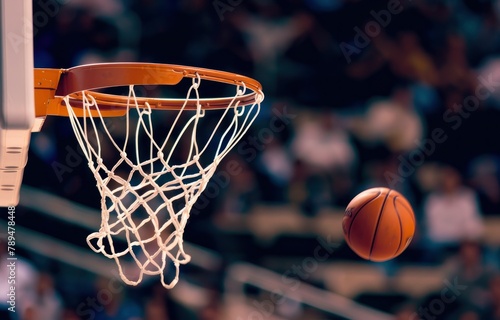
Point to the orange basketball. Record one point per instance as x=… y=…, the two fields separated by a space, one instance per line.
x=378 y=224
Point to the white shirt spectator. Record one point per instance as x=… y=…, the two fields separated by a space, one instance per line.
x=323 y=148
x=47 y=304
x=25 y=281
x=392 y=121
x=453 y=217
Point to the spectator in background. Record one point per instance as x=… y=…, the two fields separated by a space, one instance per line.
x=99 y=7
x=469 y=314
x=213 y=310
x=238 y=194
x=391 y=121
x=490 y=68
x=454 y=68
x=485 y=179
x=118 y=307
x=407 y=57
x=269 y=144
x=405 y=311
x=323 y=144
x=47 y=304
x=269 y=32
x=477 y=22
x=25 y=278
x=451 y=213
x=275 y=163
x=70 y=314
x=156 y=304
x=492 y=311
x=324 y=149
x=470 y=272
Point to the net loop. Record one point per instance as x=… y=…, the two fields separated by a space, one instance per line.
x=201 y=112
x=239 y=111
x=150 y=171
x=242 y=91
x=196 y=81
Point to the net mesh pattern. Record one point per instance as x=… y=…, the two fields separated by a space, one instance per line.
x=150 y=170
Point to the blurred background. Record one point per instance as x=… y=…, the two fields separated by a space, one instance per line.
x=400 y=93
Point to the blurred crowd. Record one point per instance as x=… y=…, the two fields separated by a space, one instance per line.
x=403 y=94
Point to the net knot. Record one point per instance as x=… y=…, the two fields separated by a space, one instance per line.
x=259 y=98
x=147 y=110
x=196 y=81
x=239 y=111
x=241 y=91
x=100 y=162
x=123 y=155
x=201 y=112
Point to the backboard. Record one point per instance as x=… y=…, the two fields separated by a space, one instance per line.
x=17 y=112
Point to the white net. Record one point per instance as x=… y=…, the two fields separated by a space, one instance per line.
x=150 y=170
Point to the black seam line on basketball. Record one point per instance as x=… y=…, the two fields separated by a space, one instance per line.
x=400 y=226
x=356 y=215
x=410 y=210
x=378 y=222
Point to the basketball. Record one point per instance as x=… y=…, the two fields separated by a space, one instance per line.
x=378 y=224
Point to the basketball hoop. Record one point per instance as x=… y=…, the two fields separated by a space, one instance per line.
x=152 y=170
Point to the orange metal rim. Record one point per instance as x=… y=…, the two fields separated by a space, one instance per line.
x=52 y=85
